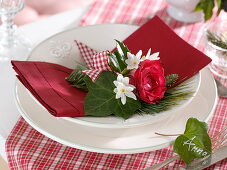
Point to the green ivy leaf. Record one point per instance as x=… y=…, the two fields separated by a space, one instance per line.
x=207 y=7
x=101 y=101
x=117 y=59
x=194 y=143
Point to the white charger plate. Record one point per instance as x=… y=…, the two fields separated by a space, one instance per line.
x=61 y=49
x=98 y=139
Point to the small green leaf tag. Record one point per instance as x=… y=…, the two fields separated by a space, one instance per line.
x=101 y=98
x=194 y=143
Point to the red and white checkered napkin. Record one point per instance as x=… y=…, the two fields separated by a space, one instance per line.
x=28 y=149
x=95 y=61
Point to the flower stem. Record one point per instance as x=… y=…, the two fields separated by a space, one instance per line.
x=167 y=134
x=125 y=71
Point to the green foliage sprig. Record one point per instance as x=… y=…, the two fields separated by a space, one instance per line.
x=76 y=78
x=217 y=40
x=101 y=98
x=207 y=7
x=173 y=97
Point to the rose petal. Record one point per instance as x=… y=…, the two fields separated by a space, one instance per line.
x=150 y=81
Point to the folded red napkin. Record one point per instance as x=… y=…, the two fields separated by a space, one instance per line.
x=177 y=55
x=47 y=82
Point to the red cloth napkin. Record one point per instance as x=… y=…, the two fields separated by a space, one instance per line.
x=47 y=81
x=177 y=55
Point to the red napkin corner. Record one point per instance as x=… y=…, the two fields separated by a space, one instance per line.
x=177 y=56
x=46 y=81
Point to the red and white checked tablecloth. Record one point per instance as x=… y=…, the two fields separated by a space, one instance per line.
x=28 y=149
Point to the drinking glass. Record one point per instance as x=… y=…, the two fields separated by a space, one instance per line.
x=182 y=10
x=12 y=44
x=216 y=48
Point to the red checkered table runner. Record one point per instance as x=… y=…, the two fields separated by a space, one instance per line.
x=28 y=149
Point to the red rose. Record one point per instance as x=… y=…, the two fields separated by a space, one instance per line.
x=150 y=81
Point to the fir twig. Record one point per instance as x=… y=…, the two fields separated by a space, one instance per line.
x=173 y=97
x=171 y=80
x=217 y=40
x=76 y=78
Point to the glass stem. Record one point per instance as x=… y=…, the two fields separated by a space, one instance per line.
x=8 y=29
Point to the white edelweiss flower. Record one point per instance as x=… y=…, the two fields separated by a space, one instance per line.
x=133 y=60
x=120 y=78
x=123 y=89
x=151 y=57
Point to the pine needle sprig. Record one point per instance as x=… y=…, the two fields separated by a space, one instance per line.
x=217 y=40
x=171 y=80
x=173 y=97
x=76 y=78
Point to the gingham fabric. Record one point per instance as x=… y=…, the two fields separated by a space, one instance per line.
x=28 y=149
x=95 y=61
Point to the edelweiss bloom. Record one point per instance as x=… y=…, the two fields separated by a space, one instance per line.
x=133 y=60
x=123 y=88
x=150 y=57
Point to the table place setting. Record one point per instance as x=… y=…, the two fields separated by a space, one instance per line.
x=52 y=79
x=124 y=90
x=55 y=74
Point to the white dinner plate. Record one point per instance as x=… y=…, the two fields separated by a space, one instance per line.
x=61 y=49
x=112 y=140
x=98 y=139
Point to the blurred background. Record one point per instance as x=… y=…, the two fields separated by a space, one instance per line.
x=38 y=9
